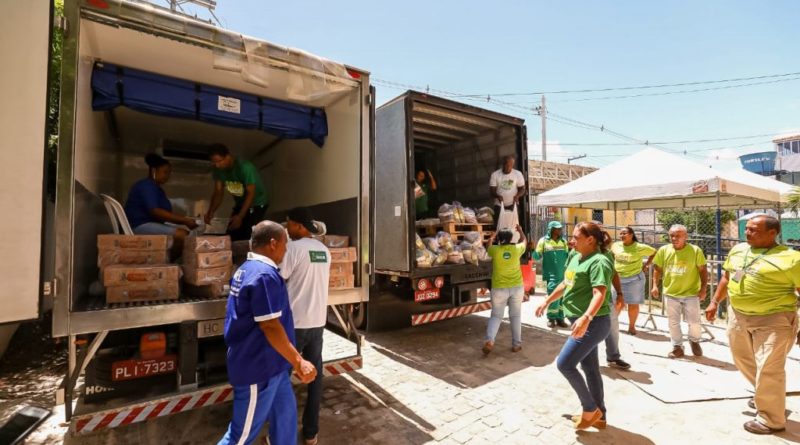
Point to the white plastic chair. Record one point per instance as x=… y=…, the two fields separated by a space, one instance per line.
x=116 y=213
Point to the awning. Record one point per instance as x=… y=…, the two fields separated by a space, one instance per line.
x=114 y=86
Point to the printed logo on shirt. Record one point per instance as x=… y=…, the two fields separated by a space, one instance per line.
x=679 y=268
x=569 y=278
x=507 y=184
x=506 y=255
x=235 y=188
x=317 y=256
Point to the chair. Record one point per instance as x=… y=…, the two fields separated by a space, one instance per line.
x=116 y=213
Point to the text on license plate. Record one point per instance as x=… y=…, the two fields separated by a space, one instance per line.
x=425 y=295
x=137 y=369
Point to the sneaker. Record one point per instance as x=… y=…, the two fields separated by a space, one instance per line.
x=516 y=348
x=487 y=347
x=600 y=424
x=313 y=441
x=696 y=349
x=677 y=352
x=562 y=323
x=619 y=364
x=551 y=324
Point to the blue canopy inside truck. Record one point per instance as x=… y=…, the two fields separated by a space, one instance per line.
x=114 y=86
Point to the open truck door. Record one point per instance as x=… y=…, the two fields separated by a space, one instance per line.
x=24 y=47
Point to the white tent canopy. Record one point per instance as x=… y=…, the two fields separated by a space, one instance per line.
x=653 y=179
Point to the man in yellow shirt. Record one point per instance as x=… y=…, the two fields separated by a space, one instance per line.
x=761 y=277
x=683 y=267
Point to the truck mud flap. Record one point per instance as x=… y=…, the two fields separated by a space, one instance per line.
x=139 y=412
x=430 y=317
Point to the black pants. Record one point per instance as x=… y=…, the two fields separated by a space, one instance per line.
x=309 y=345
x=254 y=216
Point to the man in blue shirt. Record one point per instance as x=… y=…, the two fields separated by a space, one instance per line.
x=259 y=332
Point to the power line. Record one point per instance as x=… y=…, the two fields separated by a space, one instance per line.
x=695 y=141
x=639 y=87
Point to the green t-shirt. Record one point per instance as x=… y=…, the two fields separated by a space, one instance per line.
x=768 y=282
x=581 y=276
x=679 y=269
x=506 y=271
x=628 y=259
x=554 y=258
x=421 y=203
x=238 y=177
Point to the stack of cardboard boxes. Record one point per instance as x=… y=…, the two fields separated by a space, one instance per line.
x=207 y=265
x=343 y=260
x=134 y=268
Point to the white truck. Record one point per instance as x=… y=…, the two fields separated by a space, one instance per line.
x=137 y=78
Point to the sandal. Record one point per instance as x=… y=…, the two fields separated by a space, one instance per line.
x=600 y=424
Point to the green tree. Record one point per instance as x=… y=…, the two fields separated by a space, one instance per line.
x=54 y=100
x=700 y=222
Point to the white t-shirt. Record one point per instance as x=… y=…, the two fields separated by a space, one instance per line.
x=306 y=267
x=507 y=184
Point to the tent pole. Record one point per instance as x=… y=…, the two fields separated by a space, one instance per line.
x=650 y=318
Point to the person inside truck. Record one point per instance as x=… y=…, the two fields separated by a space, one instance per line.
x=506 y=186
x=242 y=180
x=426 y=183
x=149 y=211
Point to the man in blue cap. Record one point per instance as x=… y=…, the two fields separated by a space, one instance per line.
x=552 y=249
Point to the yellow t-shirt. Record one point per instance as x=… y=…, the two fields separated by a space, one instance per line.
x=628 y=259
x=679 y=268
x=768 y=279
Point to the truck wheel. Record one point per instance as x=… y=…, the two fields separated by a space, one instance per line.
x=360 y=315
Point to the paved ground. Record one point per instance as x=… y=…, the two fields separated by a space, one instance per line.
x=431 y=384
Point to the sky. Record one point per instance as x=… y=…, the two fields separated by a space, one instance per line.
x=488 y=49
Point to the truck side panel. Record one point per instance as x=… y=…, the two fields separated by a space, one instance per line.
x=24 y=45
x=391 y=188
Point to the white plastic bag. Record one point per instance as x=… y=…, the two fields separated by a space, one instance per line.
x=509 y=219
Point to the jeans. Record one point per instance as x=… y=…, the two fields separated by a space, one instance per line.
x=612 y=341
x=584 y=351
x=511 y=297
x=309 y=345
x=690 y=308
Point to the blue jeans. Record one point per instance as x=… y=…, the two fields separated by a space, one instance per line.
x=502 y=297
x=584 y=351
x=309 y=345
x=612 y=341
x=255 y=404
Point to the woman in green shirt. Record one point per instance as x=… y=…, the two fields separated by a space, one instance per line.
x=584 y=287
x=427 y=184
x=628 y=256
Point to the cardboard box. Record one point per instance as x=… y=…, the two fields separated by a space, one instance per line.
x=202 y=277
x=341 y=282
x=143 y=291
x=344 y=255
x=207 y=260
x=339 y=269
x=124 y=274
x=217 y=289
x=206 y=243
x=134 y=242
x=110 y=257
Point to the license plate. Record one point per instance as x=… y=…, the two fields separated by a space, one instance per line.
x=425 y=295
x=137 y=369
x=210 y=328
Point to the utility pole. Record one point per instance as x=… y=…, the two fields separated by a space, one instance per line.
x=543 y=114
